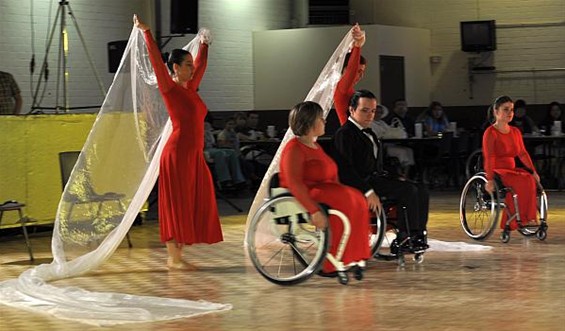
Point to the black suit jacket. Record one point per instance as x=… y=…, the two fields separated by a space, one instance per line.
x=355 y=157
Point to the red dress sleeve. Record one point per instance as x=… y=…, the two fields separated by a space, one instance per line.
x=292 y=169
x=200 y=64
x=523 y=154
x=344 y=87
x=164 y=79
x=489 y=155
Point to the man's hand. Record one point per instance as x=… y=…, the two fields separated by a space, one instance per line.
x=374 y=203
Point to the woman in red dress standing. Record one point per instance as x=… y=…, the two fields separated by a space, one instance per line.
x=502 y=143
x=311 y=177
x=188 y=213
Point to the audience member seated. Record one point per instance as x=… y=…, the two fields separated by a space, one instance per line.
x=522 y=121
x=252 y=168
x=404 y=155
x=554 y=113
x=246 y=127
x=359 y=158
x=435 y=119
x=400 y=111
x=228 y=138
x=311 y=176
x=502 y=144
x=225 y=161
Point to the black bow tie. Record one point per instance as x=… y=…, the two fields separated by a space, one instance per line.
x=367 y=130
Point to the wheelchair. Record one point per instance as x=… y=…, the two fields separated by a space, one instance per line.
x=287 y=249
x=384 y=250
x=479 y=211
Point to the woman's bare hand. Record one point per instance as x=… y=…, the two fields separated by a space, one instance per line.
x=358 y=36
x=319 y=220
x=139 y=24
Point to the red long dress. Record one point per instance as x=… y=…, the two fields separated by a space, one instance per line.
x=311 y=177
x=499 y=152
x=188 y=212
x=344 y=89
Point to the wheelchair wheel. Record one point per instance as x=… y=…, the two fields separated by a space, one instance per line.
x=382 y=251
x=542 y=217
x=283 y=245
x=474 y=163
x=377 y=232
x=478 y=209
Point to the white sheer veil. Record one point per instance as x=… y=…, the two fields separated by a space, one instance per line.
x=119 y=163
x=322 y=92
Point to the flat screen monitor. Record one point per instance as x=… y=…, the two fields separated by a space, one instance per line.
x=478 y=36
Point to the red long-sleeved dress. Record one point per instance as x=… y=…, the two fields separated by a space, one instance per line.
x=344 y=89
x=311 y=177
x=188 y=212
x=499 y=152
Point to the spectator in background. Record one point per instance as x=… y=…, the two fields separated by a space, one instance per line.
x=10 y=98
x=228 y=138
x=404 y=155
x=252 y=125
x=400 y=112
x=240 y=126
x=523 y=121
x=435 y=119
x=554 y=113
x=224 y=160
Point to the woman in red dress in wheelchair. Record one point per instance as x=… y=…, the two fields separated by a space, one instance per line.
x=311 y=177
x=502 y=143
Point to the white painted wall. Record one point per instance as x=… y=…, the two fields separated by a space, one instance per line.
x=99 y=22
x=288 y=62
x=228 y=84
x=519 y=47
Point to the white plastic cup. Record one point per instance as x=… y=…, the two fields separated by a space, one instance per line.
x=418 y=130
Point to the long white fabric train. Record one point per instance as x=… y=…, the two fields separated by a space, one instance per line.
x=119 y=160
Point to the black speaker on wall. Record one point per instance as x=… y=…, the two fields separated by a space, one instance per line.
x=115 y=52
x=184 y=16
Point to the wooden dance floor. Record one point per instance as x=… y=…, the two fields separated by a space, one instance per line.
x=515 y=286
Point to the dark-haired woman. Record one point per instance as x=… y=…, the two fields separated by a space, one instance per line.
x=311 y=177
x=435 y=119
x=502 y=143
x=188 y=212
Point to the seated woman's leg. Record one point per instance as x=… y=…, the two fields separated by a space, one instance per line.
x=524 y=185
x=235 y=166
x=354 y=205
x=220 y=165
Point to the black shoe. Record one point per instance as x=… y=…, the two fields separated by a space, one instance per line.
x=420 y=242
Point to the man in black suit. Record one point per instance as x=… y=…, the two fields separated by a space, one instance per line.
x=359 y=159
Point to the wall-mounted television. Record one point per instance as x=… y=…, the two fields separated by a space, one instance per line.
x=478 y=36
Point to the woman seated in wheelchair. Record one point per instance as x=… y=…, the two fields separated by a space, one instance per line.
x=311 y=177
x=502 y=143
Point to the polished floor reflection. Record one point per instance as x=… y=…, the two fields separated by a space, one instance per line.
x=515 y=286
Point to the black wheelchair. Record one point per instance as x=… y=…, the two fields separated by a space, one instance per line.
x=287 y=249
x=390 y=249
x=479 y=211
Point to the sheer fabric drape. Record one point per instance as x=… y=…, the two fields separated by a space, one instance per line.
x=119 y=164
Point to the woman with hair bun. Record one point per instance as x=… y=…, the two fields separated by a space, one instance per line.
x=188 y=213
